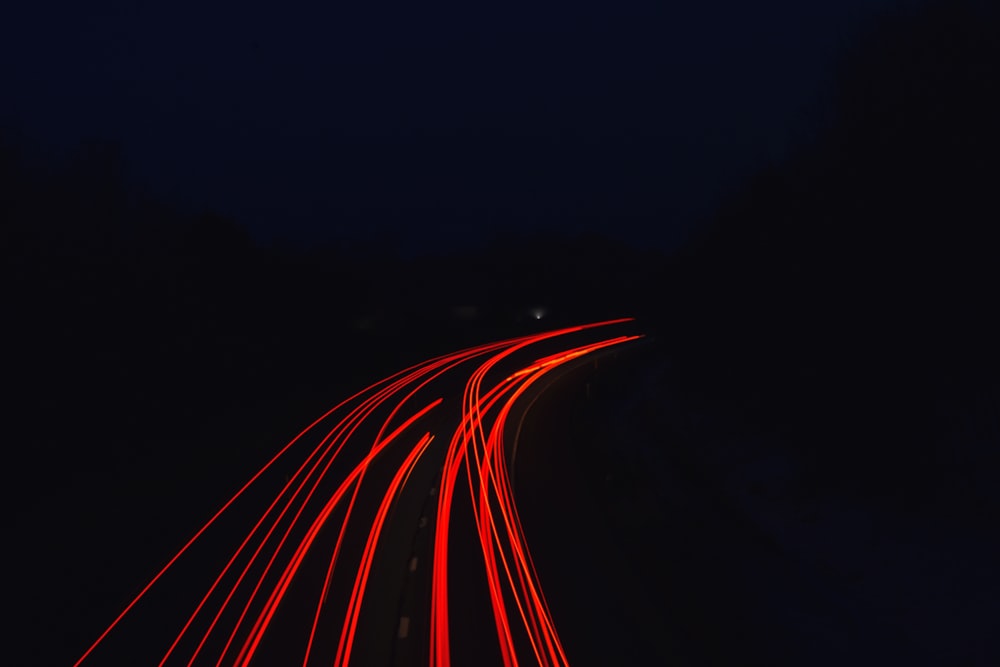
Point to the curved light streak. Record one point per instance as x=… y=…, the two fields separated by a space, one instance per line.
x=250 y=588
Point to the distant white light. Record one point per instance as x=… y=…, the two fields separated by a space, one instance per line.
x=538 y=313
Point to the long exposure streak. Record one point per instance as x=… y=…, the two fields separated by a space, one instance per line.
x=322 y=541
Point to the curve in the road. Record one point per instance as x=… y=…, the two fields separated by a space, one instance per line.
x=364 y=452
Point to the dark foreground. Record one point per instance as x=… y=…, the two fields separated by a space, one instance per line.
x=665 y=536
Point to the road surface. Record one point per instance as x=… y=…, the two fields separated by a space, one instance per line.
x=386 y=533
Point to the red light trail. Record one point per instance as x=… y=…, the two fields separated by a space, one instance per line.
x=354 y=465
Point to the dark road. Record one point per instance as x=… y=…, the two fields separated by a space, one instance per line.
x=386 y=533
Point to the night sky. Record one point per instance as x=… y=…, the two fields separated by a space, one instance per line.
x=430 y=126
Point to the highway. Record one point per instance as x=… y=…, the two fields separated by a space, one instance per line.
x=385 y=533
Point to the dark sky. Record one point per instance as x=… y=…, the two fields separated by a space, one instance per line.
x=431 y=125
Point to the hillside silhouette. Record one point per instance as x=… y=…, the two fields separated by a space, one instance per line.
x=844 y=299
x=124 y=312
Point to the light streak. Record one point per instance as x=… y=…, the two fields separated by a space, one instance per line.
x=353 y=438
